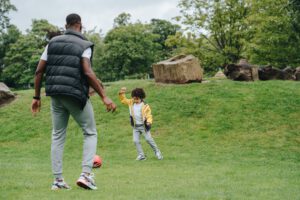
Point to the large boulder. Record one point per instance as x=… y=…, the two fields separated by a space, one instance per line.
x=273 y=73
x=5 y=94
x=178 y=69
x=289 y=73
x=243 y=71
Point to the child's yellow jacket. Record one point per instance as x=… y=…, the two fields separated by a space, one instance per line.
x=146 y=111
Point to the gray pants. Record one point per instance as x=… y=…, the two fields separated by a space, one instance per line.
x=137 y=131
x=61 y=108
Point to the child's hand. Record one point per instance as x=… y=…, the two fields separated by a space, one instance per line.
x=122 y=90
x=148 y=126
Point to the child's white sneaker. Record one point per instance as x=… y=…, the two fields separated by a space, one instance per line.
x=141 y=157
x=159 y=155
x=60 y=184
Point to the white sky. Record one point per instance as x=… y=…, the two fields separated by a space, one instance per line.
x=94 y=13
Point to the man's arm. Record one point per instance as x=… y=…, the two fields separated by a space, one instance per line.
x=95 y=84
x=92 y=79
x=36 y=102
x=40 y=70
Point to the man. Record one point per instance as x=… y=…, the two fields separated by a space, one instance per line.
x=66 y=62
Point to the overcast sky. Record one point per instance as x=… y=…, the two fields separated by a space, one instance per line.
x=94 y=13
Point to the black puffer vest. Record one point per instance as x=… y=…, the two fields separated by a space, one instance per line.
x=64 y=74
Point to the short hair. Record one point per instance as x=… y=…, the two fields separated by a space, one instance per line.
x=72 y=19
x=138 y=92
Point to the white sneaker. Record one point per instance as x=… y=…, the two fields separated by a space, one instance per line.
x=141 y=157
x=159 y=155
x=60 y=184
x=86 y=181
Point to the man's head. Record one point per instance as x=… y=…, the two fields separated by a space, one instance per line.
x=73 y=21
x=138 y=94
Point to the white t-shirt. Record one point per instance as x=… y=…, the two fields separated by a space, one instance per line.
x=137 y=110
x=86 y=54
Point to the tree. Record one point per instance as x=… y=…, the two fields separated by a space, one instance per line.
x=188 y=43
x=163 y=29
x=21 y=58
x=5 y=8
x=274 y=30
x=265 y=31
x=6 y=39
x=128 y=50
x=20 y=62
x=42 y=30
x=294 y=9
x=8 y=33
x=122 y=19
x=98 y=50
x=221 y=23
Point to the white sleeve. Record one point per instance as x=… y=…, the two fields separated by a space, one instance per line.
x=45 y=54
x=87 y=53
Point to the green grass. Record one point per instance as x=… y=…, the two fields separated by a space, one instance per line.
x=220 y=140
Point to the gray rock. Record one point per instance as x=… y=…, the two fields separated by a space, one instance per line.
x=243 y=71
x=5 y=94
x=273 y=73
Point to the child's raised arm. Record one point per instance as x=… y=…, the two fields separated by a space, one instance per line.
x=122 y=96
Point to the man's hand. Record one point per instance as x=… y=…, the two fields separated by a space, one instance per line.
x=35 y=106
x=110 y=105
x=122 y=90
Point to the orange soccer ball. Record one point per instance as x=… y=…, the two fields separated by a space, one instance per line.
x=97 y=161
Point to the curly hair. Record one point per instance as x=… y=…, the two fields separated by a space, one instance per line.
x=138 y=92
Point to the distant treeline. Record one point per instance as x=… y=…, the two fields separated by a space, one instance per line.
x=217 y=32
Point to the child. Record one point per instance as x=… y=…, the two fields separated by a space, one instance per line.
x=141 y=120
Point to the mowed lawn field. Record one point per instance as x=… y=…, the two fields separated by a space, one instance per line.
x=220 y=140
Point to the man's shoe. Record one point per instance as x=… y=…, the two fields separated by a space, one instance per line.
x=159 y=155
x=60 y=184
x=141 y=157
x=86 y=181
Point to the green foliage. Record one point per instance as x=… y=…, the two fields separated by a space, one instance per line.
x=20 y=62
x=21 y=58
x=217 y=32
x=41 y=30
x=6 y=38
x=98 y=50
x=189 y=44
x=122 y=19
x=5 y=8
x=274 y=34
x=163 y=29
x=221 y=24
x=220 y=140
x=265 y=32
x=128 y=49
x=294 y=9
x=8 y=33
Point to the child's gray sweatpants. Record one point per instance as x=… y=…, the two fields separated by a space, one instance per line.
x=137 y=131
x=61 y=108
